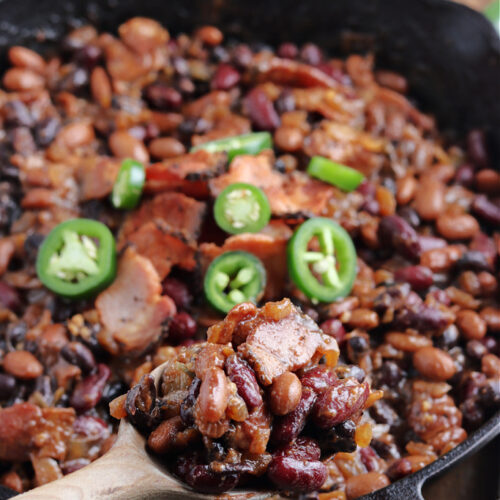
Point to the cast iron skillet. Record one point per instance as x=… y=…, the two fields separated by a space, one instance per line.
x=449 y=53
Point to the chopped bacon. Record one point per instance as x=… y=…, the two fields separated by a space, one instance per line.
x=96 y=177
x=269 y=246
x=26 y=429
x=162 y=248
x=227 y=126
x=275 y=339
x=292 y=194
x=173 y=212
x=188 y=173
x=132 y=310
x=291 y=73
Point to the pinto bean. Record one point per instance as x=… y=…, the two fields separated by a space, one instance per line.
x=362 y=484
x=457 y=226
x=214 y=395
x=471 y=325
x=26 y=58
x=124 y=145
x=210 y=35
x=429 y=200
x=22 y=364
x=285 y=393
x=434 y=363
x=288 y=138
x=75 y=135
x=101 y=87
x=143 y=35
x=490 y=365
x=407 y=343
x=406 y=187
x=22 y=79
x=166 y=147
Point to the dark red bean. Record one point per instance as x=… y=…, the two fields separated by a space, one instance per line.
x=17 y=114
x=465 y=175
x=390 y=374
x=311 y=54
x=398 y=469
x=430 y=242
x=420 y=318
x=79 y=355
x=339 y=403
x=334 y=328
x=476 y=349
x=474 y=261
x=183 y=327
x=486 y=209
x=367 y=189
x=7 y=386
x=9 y=298
x=288 y=50
x=46 y=131
x=476 y=148
x=162 y=97
x=285 y=102
x=225 y=77
x=369 y=458
x=418 y=277
x=303 y=448
x=319 y=379
x=261 y=111
x=240 y=373
x=288 y=427
x=178 y=292
x=484 y=244
x=88 y=391
x=88 y=56
x=290 y=474
x=241 y=56
x=394 y=232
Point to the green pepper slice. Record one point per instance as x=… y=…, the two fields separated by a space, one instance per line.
x=343 y=177
x=128 y=186
x=242 y=208
x=246 y=144
x=326 y=273
x=233 y=278
x=77 y=259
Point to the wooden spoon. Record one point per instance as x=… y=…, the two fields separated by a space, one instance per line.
x=126 y=471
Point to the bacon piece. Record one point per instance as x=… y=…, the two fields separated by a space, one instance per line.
x=269 y=246
x=132 y=310
x=173 y=212
x=96 y=177
x=55 y=431
x=163 y=249
x=276 y=339
x=292 y=194
x=227 y=126
x=187 y=173
x=292 y=73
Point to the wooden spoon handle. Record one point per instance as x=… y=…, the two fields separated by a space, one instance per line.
x=126 y=472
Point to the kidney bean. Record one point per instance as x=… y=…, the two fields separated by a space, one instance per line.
x=159 y=96
x=178 y=292
x=290 y=474
x=457 y=227
x=410 y=215
x=489 y=394
x=166 y=147
x=16 y=113
x=394 y=232
x=429 y=200
x=465 y=175
x=100 y=87
x=287 y=428
x=471 y=325
x=241 y=56
x=390 y=375
x=434 y=363
x=334 y=328
x=288 y=50
x=124 y=145
x=260 y=110
x=319 y=378
x=9 y=297
x=475 y=349
x=418 y=277
x=240 y=373
x=210 y=35
x=474 y=260
x=285 y=393
x=225 y=77
x=182 y=327
x=23 y=57
x=311 y=54
x=88 y=391
x=19 y=79
x=339 y=403
x=143 y=35
x=7 y=386
x=77 y=354
x=22 y=365
x=476 y=148
x=214 y=394
x=488 y=181
x=486 y=210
